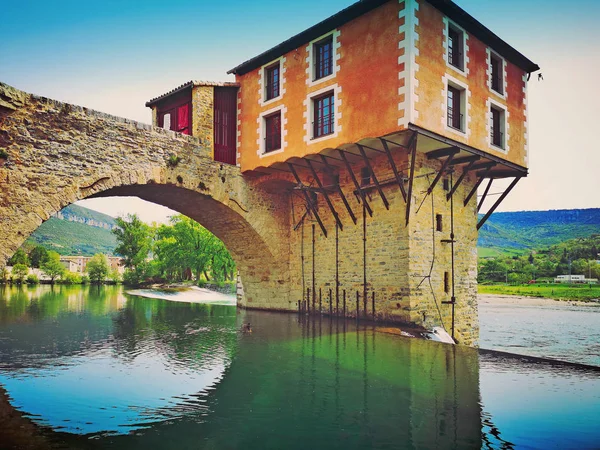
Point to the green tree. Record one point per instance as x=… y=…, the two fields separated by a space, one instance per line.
x=38 y=256
x=4 y=274
x=185 y=247
x=53 y=267
x=493 y=270
x=134 y=240
x=19 y=272
x=98 y=268
x=20 y=257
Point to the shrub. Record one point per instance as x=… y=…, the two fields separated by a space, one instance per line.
x=32 y=279
x=85 y=279
x=71 y=278
x=3 y=154
x=173 y=160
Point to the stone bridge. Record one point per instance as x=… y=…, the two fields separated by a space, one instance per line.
x=60 y=153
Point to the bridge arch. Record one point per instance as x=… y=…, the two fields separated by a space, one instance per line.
x=59 y=154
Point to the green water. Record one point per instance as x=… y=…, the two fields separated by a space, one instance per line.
x=97 y=368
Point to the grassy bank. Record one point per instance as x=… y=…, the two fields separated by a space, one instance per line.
x=555 y=291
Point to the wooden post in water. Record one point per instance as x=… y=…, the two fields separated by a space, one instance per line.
x=330 y=302
x=320 y=302
x=307 y=301
x=357 y=305
x=373 y=304
x=365 y=302
x=344 y=303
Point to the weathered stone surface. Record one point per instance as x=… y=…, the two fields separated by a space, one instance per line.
x=60 y=153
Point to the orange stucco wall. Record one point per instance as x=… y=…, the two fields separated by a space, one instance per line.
x=369 y=79
x=431 y=87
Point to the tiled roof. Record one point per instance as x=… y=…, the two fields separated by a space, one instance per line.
x=190 y=84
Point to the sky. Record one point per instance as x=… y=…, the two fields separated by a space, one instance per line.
x=114 y=55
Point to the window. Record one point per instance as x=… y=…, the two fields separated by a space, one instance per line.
x=455 y=47
x=176 y=119
x=272 y=81
x=455 y=103
x=323 y=115
x=497 y=127
x=438 y=223
x=446 y=282
x=166 y=121
x=323 y=58
x=497 y=74
x=273 y=132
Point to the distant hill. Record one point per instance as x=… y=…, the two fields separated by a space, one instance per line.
x=76 y=231
x=517 y=232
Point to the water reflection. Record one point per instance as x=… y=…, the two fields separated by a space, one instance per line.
x=108 y=370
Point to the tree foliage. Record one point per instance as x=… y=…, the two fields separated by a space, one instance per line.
x=134 y=240
x=38 y=255
x=53 y=267
x=19 y=272
x=20 y=257
x=98 y=268
x=575 y=256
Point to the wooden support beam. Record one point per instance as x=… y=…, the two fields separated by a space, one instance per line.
x=327 y=199
x=399 y=178
x=474 y=190
x=411 y=175
x=502 y=197
x=398 y=145
x=465 y=172
x=308 y=200
x=506 y=174
x=465 y=160
x=339 y=190
x=372 y=172
x=440 y=173
x=356 y=185
x=370 y=148
x=485 y=165
x=485 y=193
x=442 y=152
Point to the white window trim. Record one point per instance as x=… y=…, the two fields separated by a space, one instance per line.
x=488 y=104
x=526 y=121
x=261 y=131
x=309 y=114
x=488 y=74
x=450 y=80
x=310 y=67
x=262 y=85
x=465 y=41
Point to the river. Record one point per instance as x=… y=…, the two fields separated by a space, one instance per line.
x=96 y=368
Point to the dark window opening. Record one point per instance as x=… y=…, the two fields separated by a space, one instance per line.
x=446 y=184
x=497 y=78
x=225 y=124
x=314 y=200
x=323 y=57
x=455 y=47
x=438 y=222
x=496 y=128
x=272 y=85
x=446 y=282
x=273 y=132
x=455 y=118
x=365 y=176
x=323 y=115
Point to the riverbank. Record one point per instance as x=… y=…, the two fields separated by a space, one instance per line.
x=582 y=293
x=523 y=300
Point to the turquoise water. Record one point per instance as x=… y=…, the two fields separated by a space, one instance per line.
x=97 y=368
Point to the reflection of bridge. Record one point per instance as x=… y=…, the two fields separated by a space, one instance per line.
x=59 y=153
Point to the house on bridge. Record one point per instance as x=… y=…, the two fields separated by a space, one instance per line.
x=393 y=110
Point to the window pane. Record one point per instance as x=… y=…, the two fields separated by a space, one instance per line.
x=323 y=116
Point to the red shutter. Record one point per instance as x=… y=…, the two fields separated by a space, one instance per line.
x=183 y=119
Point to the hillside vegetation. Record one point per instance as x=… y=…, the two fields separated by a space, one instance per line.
x=516 y=233
x=78 y=231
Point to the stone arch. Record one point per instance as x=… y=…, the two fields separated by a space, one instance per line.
x=59 y=154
